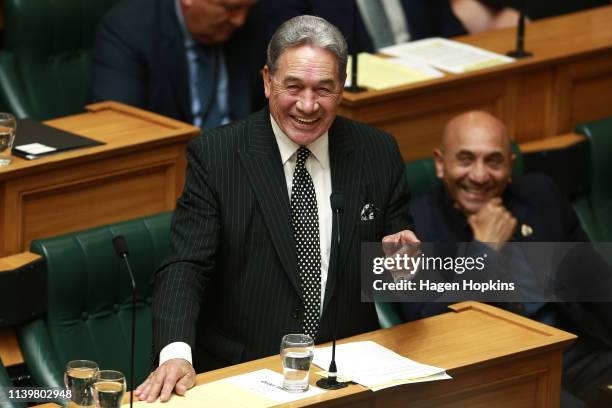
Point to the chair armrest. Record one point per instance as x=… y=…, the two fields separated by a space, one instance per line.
x=387 y=315
x=39 y=354
x=585 y=215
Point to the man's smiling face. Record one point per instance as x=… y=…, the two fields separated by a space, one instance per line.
x=474 y=161
x=304 y=93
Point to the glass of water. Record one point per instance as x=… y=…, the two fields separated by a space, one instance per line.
x=8 y=126
x=108 y=389
x=79 y=378
x=296 y=352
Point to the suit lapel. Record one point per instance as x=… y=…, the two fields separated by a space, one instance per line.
x=345 y=161
x=264 y=170
x=174 y=60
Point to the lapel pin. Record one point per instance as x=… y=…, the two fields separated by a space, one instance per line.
x=526 y=230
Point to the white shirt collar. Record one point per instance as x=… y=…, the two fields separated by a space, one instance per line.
x=287 y=147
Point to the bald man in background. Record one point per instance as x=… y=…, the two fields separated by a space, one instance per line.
x=481 y=200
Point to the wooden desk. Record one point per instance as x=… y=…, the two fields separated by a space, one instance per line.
x=496 y=358
x=139 y=171
x=567 y=81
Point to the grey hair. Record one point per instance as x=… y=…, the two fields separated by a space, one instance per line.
x=308 y=30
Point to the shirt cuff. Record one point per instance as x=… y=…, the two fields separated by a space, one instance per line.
x=178 y=349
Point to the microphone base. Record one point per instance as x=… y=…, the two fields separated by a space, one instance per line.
x=355 y=89
x=330 y=384
x=518 y=54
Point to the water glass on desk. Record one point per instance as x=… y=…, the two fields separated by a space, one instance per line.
x=79 y=378
x=108 y=389
x=296 y=353
x=8 y=126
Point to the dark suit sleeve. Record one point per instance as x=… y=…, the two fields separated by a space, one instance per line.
x=442 y=20
x=118 y=71
x=194 y=237
x=572 y=229
x=397 y=214
x=277 y=12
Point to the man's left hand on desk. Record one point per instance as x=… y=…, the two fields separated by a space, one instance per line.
x=174 y=375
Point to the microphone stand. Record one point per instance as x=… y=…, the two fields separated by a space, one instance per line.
x=331 y=382
x=121 y=247
x=354 y=88
x=520 y=38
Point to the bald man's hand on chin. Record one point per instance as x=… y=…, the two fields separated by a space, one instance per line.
x=174 y=375
x=493 y=224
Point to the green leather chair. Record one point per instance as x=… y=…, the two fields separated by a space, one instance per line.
x=595 y=208
x=387 y=315
x=44 y=67
x=5 y=381
x=89 y=307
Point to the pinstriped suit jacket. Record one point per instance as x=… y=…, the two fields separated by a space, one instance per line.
x=229 y=287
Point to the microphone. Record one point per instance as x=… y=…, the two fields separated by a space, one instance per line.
x=121 y=249
x=520 y=37
x=331 y=382
x=354 y=88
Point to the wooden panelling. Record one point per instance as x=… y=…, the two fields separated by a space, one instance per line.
x=591 y=89
x=140 y=170
x=418 y=123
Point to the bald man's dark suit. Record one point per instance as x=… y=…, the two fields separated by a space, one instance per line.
x=229 y=286
x=533 y=200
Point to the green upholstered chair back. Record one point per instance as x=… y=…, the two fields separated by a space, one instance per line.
x=44 y=68
x=421 y=174
x=5 y=381
x=595 y=208
x=89 y=307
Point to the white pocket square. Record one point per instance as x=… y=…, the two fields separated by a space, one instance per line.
x=369 y=212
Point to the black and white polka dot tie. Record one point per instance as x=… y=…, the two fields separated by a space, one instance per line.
x=305 y=218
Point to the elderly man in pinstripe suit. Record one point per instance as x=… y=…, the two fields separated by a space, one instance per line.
x=251 y=256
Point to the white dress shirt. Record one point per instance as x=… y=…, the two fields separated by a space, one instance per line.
x=317 y=165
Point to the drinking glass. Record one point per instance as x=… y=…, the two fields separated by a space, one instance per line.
x=108 y=389
x=8 y=126
x=296 y=352
x=78 y=378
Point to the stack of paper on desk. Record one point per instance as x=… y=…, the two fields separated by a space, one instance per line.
x=376 y=367
x=449 y=55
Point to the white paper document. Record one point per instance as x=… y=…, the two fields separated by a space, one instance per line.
x=376 y=367
x=449 y=55
x=268 y=384
x=35 y=148
x=257 y=389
